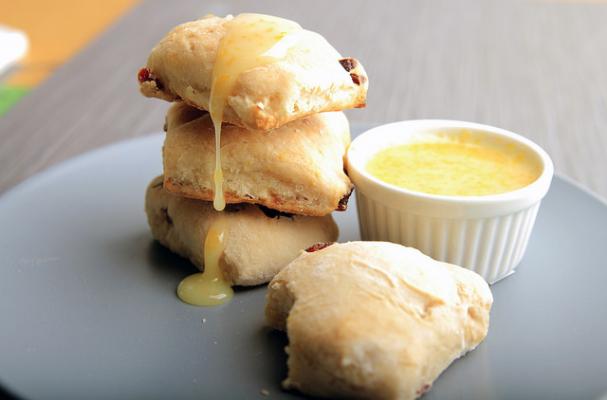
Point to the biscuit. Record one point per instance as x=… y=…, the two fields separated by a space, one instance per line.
x=258 y=242
x=312 y=77
x=297 y=168
x=375 y=320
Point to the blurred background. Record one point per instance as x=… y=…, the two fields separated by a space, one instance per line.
x=39 y=36
x=537 y=67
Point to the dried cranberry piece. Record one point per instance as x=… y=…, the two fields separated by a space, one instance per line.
x=318 y=246
x=357 y=79
x=144 y=75
x=424 y=389
x=348 y=63
x=343 y=202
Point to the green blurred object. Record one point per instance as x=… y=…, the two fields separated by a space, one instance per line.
x=9 y=95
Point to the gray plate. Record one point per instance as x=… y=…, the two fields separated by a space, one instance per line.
x=88 y=306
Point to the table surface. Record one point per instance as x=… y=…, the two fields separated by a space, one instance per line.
x=535 y=67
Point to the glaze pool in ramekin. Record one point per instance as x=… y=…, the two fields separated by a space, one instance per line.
x=487 y=234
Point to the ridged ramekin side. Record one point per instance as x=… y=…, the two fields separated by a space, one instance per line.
x=491 y=246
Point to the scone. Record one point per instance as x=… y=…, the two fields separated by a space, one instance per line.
x=311 y=77
x=258 y=242
x=297 y=168
x=375 y=320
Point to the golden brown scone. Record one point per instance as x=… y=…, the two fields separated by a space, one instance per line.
x=375 y=320
x=297 y=168
x=258 y=242
x=313 y=77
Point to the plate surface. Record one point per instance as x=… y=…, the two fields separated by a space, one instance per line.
x=88 y=306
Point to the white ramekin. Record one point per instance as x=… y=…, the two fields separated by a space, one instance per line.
x=487 y=234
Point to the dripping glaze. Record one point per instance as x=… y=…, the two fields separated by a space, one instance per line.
x=250 y=41
x=246 y=45
x=208 y=288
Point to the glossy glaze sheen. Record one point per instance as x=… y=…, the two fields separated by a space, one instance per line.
x=208 y=288
x=245 y=45
x=453 y=168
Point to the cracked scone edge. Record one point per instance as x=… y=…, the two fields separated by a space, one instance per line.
x=375 y=320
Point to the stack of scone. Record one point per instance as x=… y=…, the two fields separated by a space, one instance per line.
x=256 y=123
x=282 y=142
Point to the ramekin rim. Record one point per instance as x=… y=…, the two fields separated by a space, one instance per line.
x=540 y=184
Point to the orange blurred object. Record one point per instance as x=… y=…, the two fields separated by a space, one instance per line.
x=56 y=30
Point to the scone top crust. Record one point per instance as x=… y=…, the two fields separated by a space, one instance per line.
x=297 y=168
x=375 y=320
x=312 y=77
